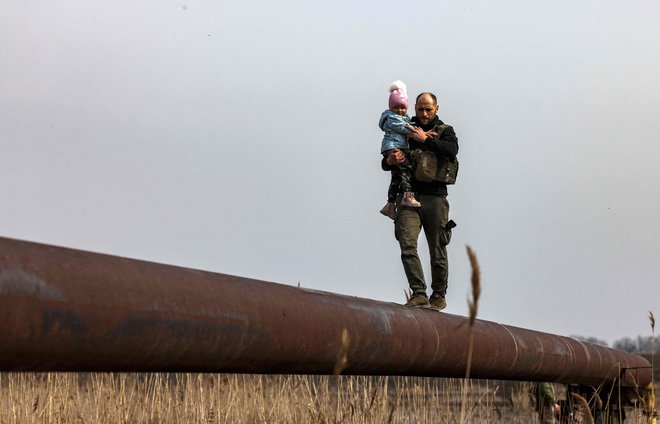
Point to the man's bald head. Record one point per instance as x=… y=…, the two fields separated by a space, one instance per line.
x=427 y=95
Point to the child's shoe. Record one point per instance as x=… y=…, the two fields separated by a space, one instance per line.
x=389 y=210
x=409 y=200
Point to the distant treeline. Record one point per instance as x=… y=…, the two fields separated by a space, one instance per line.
x=642 y=344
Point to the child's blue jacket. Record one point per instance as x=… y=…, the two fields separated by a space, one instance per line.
x=395 y=130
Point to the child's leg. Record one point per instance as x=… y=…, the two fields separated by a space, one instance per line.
x=405 y=171
x=405 y=174
x=395 y=182
x=389 y=209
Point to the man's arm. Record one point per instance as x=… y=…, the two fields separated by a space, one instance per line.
x=547 y=392
x=446 y=144
x=395 y=158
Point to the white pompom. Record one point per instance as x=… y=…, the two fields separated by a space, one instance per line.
x=398 y=85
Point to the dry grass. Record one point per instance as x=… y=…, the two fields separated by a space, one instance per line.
x=221 y=398
x=237 y=398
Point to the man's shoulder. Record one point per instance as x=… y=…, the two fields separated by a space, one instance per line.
x=440 y=123
x=443 y=128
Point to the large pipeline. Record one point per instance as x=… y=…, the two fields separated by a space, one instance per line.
x=70 y=310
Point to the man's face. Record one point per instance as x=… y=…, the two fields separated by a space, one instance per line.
x=425 y=109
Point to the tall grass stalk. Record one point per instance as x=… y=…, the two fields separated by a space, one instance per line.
x=473 y=307
x=649 y=407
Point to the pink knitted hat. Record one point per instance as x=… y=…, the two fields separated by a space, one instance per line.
x=398 y=94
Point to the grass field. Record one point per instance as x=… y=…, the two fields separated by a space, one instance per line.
x=238 y=398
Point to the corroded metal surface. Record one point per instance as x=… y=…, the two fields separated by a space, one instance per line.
x=65 y=309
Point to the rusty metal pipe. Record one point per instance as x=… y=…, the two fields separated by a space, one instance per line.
x=70 y=310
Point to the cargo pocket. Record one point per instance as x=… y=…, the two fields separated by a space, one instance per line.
x=445 y=232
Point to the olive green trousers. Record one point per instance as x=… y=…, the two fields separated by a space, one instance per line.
x=432 y=217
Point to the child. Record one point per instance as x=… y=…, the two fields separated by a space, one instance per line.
x=395 y=123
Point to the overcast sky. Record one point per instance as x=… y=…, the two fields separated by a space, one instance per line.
x=242 y=138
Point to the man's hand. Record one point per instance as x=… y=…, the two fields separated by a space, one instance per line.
x=395 y=158
x=556 y=409
x=418 y=134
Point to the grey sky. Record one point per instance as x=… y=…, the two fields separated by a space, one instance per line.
x=242 y=138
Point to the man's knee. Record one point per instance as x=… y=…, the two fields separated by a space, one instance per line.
x=408 y=246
